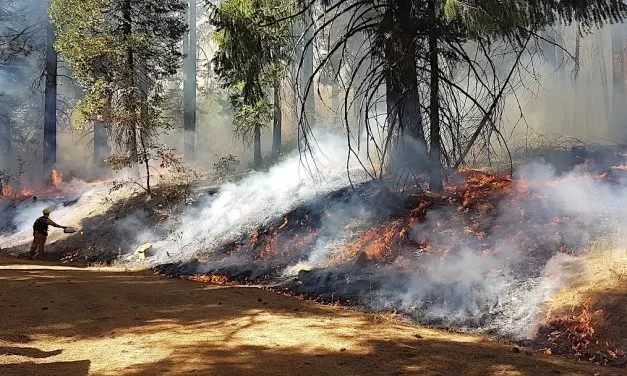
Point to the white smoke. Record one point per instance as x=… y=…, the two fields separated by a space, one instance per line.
x=239 y=208
x=502 y=288
x=70 y=210
x=505 y=289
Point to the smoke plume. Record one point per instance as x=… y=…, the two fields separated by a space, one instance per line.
x=239 y=208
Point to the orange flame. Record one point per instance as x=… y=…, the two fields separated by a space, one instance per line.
x=25 y=192
x=7 y=190
x=380 y=243
x=573 y=331
x=57 y=179
x=212 y=279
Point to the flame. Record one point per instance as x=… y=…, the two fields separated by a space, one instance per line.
x=383 y=243
x=57 y=179
x=212 y=279
x=56 y=185
x=26 y=192
x=254 y=239
x=574 y=332
x=621 y=167
x=7 y=190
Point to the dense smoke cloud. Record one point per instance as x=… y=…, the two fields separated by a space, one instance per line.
x=239 y=208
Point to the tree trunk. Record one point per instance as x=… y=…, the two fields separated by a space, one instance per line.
x=307 y=74
x=409 y=112
x=257 y=161
x=548 y=46
x=144 y=140
x=435 y=176
x=8 y=144
x=189 y=85
x=129 y=99
x=146 y=162
x=276 y=129
x=297 y=30
x=402 y=98
x=548 y=50
x=601 y=62
x=392 y=101
x=618 y=82
x=6 y=136
x=50 y=106
x=101 y=144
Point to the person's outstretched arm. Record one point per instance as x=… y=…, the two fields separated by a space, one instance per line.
x=53 y=224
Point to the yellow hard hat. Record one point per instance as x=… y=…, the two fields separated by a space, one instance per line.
x=47 y=211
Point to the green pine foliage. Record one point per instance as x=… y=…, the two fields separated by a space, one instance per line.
x=120 y=51
x=253 y=48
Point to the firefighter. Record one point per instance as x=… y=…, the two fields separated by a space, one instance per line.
x=40 y=233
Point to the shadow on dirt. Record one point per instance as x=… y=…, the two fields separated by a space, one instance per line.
x=87 y=304
x=29 y=352
x=409 y=357
x=77 y=368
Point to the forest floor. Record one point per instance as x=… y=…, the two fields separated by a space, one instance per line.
x=64 y=320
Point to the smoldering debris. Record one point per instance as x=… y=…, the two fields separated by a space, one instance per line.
x=485 y=256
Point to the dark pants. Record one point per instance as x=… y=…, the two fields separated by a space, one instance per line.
x=37 y=248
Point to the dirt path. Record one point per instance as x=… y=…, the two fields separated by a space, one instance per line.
x=80 y=321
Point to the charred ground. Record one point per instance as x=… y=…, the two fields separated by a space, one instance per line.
x=404 y=230
x=410 y=226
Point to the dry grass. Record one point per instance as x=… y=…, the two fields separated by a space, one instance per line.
x=601 y=286
x=84 y=321
x=603 y=270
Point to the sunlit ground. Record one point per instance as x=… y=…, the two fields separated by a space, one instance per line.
x=71 y=321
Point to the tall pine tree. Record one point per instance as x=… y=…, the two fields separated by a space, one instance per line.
x=121 y=50
x=251 y=59
x=414 y=46
x=189 y=83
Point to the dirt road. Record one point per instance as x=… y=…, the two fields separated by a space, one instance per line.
x=65 y=321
